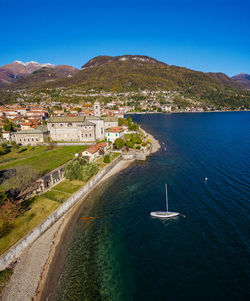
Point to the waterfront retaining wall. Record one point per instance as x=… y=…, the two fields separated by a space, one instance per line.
x=15 y=251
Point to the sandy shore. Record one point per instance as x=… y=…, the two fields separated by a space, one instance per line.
x=31 y=270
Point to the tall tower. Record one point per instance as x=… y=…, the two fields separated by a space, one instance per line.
x=97 y=109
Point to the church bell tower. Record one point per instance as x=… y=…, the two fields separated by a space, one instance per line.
x=97 y=109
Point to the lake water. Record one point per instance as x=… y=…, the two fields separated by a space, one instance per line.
x=124 y=254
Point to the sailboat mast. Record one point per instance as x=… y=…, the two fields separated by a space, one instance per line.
x=166 y=188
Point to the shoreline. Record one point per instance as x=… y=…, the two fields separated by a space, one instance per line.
x=181 y=112
x=33 y=266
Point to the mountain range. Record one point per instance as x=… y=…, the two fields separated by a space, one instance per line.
x=17 y=70
x=243 y=79
x=31 y=74
x=127 y=73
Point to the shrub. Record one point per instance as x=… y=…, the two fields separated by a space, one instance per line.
x=136 y=139
x=106 y=159
x=130 y=144
x=4 y=149
x=138 y=147
x=5 y=229
x=3 y=197
x=119 y=143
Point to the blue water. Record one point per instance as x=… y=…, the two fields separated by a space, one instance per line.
x=124 y=254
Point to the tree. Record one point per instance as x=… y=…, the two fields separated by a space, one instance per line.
x=23 y=177
x=129 y=120
x=7 y=125
x=119 y=143
x=4 y=149
x=121 y=121
x=78 y=169
x=136 y=139
x=130 y=144
x=106 y=159
x=14 y=146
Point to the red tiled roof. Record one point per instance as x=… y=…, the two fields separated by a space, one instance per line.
x=116 y=129
x=94 y=148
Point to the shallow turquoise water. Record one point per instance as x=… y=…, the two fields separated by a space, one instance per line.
x=124 y=254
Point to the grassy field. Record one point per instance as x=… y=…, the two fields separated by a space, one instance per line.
x=39 y=157
x=69 y=186
x=23 y=224
x=43 y=205
x=113 y=156
x=41 y=208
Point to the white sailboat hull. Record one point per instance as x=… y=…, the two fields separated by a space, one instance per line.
x=164 y=214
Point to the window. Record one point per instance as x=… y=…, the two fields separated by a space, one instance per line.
x=32 y=139
x=89 y=135
x=86 y=135
x=108 y=134
x=69 y=124
x=36 y=139
x=116 y=135
x=61 y=124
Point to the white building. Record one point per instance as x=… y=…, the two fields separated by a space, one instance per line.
x=80 y=128
x=93 y=152
x=113 y=133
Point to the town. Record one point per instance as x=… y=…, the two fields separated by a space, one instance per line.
x=85 y=116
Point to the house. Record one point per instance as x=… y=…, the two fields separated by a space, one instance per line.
x=113 y=133
x=94 y=151
x=6 y=135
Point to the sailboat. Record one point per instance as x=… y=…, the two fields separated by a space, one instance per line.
x=165 y=214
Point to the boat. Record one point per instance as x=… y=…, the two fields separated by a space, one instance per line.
x=165 y=214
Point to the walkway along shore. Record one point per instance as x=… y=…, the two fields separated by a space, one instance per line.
x=31 y=270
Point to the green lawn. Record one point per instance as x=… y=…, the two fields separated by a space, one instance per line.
x=113 y=156
x=69 y=186
x=48 y=202
x=41 y=208
x=40 y=158
x=23 y=224
x=57 y=195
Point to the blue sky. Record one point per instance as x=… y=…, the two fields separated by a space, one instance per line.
x=201 y=35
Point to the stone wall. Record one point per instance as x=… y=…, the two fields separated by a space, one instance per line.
x=19 y=247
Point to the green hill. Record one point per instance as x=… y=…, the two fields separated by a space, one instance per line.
x=135 y=73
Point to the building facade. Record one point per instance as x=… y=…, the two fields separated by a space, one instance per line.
x=110 y=122
x=31 y=137
x=113 y=133
x=80 y=128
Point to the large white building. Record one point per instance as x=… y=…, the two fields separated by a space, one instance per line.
x=80 y=128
